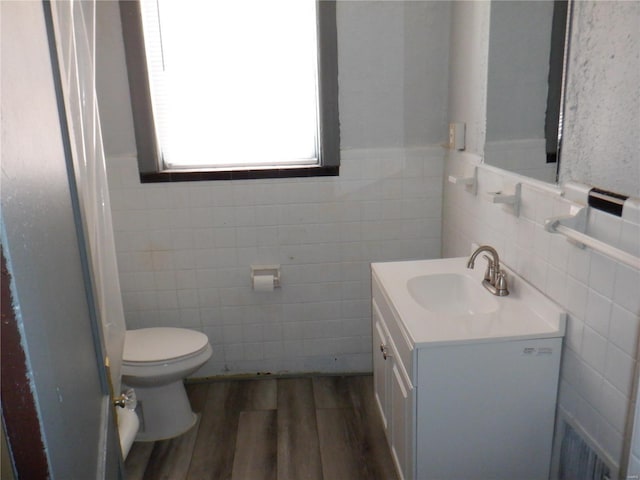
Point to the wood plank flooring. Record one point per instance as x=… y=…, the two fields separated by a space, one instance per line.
x=273 y=429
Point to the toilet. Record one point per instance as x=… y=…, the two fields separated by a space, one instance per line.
x=154 y=363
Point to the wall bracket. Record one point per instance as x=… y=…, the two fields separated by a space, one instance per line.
x=469 y=181
x=511 y=198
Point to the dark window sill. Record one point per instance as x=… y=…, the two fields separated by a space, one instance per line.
x=204 y=175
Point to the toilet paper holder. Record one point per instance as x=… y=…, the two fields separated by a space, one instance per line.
x=262 y=270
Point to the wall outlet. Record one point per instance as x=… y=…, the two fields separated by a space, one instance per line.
x=456 y=136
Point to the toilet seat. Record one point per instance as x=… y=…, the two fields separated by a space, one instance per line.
x=159 y=345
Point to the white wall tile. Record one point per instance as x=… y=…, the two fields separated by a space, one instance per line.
x=590 y=385
x=624 y=330
x=190 y=318
x=611 y=440
x=588 y=417
x=601 y=296
x=556 y=284
x=571 y=368
x=252 y=333
x=598 y=313
x=166 y=299
x=568 y=397
x=233 y=352
x=577 y=295
x=574 y=333
x=627 y=288
x=605 y=227
x=164 y=280
x=232 y=334
x=541 y=243
x=386 y=204
x=559 y=250
x=619 y=369
x=630 y=238
x=602 y=274
x=188 y=299
x=614 y=406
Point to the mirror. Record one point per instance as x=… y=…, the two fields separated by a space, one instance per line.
x=524 y=86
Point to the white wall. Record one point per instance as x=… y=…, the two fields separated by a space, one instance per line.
x=597 y=390
x=184 y=249
x=468 y=60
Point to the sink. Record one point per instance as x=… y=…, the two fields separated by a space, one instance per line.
x=441 y=301
x=451 y=294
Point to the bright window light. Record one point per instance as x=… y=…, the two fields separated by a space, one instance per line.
x=233 y=83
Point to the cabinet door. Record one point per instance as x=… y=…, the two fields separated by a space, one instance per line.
x=402 y=421
x=380 y=369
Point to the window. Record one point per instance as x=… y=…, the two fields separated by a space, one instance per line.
x=224 y=90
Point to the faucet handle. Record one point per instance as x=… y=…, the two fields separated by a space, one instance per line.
x=490 y=272
x=501 y=284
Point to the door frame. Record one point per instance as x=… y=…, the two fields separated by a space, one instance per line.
x=19 y=415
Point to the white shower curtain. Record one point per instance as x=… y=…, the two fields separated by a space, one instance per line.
x=74 y=28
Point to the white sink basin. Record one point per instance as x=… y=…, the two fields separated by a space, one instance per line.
x=442 y=301
x=451 y=293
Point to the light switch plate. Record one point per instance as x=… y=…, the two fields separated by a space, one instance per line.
x=456 y=136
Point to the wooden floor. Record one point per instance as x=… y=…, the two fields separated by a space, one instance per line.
x=284 y=429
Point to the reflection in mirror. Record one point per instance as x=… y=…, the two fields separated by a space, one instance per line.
x=524 y=86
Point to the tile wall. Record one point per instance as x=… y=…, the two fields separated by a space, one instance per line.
x=602 y=297
x=633 y=473
x=184 y=251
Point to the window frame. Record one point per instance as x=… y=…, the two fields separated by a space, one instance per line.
x=148 y=150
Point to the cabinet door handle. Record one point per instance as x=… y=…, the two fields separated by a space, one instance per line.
x=383 y=349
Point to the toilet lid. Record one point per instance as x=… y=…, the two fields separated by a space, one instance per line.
x=161 y=343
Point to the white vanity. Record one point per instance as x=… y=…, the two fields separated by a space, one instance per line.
x=465 y=381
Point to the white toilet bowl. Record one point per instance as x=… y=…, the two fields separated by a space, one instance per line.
x=155 y=362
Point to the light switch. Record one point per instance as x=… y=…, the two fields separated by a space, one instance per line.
x=456 y=136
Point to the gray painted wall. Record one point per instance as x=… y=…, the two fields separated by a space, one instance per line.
x=393 y=75
x=39 y=239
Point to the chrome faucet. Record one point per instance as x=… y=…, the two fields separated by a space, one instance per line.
x=494 y=279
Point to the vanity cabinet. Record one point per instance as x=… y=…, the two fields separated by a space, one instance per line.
x=394 y=395
x=472 y=410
